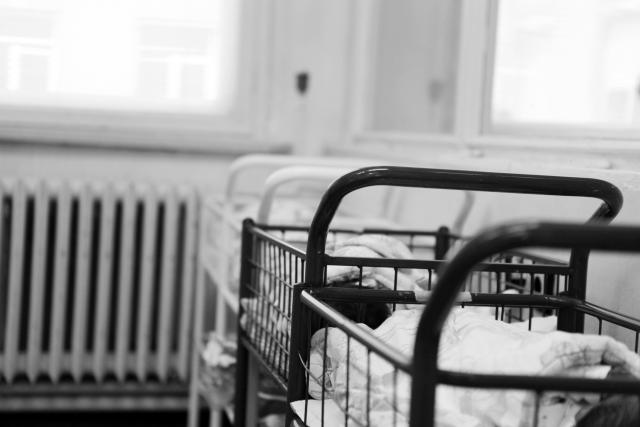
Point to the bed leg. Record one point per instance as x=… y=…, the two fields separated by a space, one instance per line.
x=240 y=401
x=253 y=377
x=246 y=399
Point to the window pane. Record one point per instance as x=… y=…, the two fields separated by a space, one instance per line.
x=415 y=66
x=567 y=62
x=161 y=55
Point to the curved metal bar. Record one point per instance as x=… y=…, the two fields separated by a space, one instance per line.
x=463 y=213
x=453 y=275
x=324 y=174
x=276 y=161
x=454 y=180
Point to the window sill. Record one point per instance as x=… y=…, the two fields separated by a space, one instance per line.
x=139 y=140
x=214 y=145
x=596 y=152
x=132 y=131
x=616 y=160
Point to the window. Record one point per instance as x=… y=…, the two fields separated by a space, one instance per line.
x=25 y=53
x=119 y=65
x=497 y=72
x=567 y=63
x=178 y=62
x=414 y=66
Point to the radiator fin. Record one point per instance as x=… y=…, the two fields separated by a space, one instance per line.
x=38 y=266
x=189 y=254
x=81 y=285
x=123 y=333
x=146 y=285
x=104 y=267
x=165 y=332
x=18 y=207
x=60 y=285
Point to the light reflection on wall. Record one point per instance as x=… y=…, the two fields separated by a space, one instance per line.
x=131 y=54
x=567 y=62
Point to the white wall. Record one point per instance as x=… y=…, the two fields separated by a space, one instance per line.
x=206 y=172
x=317 y=37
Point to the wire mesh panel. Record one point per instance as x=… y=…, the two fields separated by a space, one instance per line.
x=273 y=264
x=369 y=285
x=559 y=378
x=273 y=267
x=352 y=377
x=359 y=340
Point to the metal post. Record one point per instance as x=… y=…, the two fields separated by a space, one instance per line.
x=242 y=355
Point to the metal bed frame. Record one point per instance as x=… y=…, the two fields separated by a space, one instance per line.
x=220 y=242
x=287 y=285
x=584 y=238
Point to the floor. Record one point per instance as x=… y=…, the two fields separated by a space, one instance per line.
x=100 y=419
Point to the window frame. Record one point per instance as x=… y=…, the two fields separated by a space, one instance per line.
x=473 y=130
x=45 y=125
x=538 y=130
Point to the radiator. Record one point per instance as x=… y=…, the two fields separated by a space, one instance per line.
x=96 y=283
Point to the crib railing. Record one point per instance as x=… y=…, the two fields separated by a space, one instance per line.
x=96 y=290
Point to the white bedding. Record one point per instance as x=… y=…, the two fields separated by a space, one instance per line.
x=317 y=415
x=471 y=342
x=277 y=299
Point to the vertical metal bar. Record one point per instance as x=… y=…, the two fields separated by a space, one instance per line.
x=242 y=358
x=190 y=281
x=574 y=321
x=14 y=303
x=146 y=284
x=38 y=265
x=307 y=377
x=443 y=237
x=193 y=284
x=282 y=275
x=324 y=373
x=282 y=316
x=395 y=285
x=268 y=317
x=265 y=305
x=536 y=412
x=5 y=257
x=368 y=413
x=395 y=396
x=346 y=399
x=260 y=321
x=168 y=286
x=81 y=284
x=60 y=282
x=263 y=310
x=125 y=282
x=251 y=409
x=103 y=300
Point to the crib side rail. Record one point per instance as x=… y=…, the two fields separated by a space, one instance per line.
x=257 y=161
x=496 y=240
x=454 y=180
x=329 y=323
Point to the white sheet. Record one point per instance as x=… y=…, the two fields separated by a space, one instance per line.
x=333 y=416
x=559 y=414
x=470 y=342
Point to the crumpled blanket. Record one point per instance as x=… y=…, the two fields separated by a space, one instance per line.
x=369 y=246
x=270 y=312
x=374 y=246
x=471 y=342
